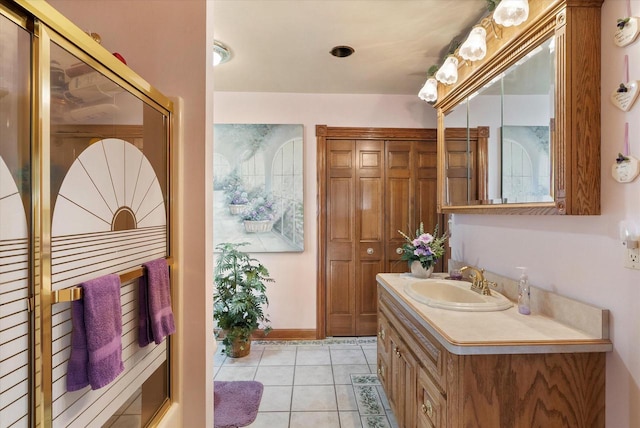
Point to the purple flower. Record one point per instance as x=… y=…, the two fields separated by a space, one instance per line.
x=422 y=251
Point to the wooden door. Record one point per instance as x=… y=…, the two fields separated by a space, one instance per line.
x=403 y=383
x=370 y=258
x=355 y=251
x=466 y=165
x=370 y=182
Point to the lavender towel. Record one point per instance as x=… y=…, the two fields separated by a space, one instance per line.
x=156 y=317
x=96 y=338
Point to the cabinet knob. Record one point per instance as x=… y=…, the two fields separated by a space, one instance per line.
x=427 y=408
x=370 y=251
x=399 y=250
x=397 y=351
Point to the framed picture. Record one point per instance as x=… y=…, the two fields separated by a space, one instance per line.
x=526 y=164
x=258 y=186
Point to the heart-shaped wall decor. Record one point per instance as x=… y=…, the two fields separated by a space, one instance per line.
x=626 y=31
x=625 y=95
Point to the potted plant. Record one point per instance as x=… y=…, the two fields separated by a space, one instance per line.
x=239 y=298
x=259 y=216
x=423 y=251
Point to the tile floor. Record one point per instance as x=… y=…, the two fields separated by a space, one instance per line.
x=327 y=383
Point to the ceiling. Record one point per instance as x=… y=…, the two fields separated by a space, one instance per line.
x=283 y=45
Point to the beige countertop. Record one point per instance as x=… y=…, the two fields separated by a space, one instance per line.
x=499 y=332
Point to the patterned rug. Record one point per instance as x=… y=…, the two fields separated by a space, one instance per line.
x=236 y=403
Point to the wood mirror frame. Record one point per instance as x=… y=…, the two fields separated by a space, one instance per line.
x=575 y=133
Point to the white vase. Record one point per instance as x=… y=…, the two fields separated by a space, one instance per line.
x=418 y=271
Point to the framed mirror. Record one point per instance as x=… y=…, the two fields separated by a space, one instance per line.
x=519 y=133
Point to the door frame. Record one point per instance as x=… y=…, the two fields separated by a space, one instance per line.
x=324 y=132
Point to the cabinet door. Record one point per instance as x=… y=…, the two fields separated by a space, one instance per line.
x=403 y=383
x=430 y=405
x=384 y=350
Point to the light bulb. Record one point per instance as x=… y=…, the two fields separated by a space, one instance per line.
x=429 y=91
x=475 y=47
x=448 y=73
x=511 y=12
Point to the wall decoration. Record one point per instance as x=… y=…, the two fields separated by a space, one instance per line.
x=625 y=95
x=258 y=186
x=626 y=31
x=526 y=172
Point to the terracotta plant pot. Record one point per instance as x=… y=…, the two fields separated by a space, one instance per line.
x=239 y=348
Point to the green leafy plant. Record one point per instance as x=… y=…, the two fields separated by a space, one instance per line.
x=240 y=295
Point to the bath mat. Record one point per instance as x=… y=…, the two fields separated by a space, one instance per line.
x=235 y=404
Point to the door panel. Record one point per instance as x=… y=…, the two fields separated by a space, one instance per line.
x=340 y=238
x=370 y=233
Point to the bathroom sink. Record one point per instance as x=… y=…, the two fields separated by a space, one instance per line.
x=455 y=295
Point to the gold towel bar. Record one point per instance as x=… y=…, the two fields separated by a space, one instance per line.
x=75 y=293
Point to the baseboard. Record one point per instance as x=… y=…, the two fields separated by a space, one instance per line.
x=280 y=334
x=286 y=334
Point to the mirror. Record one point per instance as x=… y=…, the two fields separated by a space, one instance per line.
x=520 y=130
x=516 y=109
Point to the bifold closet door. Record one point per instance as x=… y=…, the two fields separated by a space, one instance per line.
x=355 y=234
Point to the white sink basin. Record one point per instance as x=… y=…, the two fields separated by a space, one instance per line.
x=455 y=295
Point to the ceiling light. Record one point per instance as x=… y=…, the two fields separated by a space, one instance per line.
x=448 y=73
x=221 y=53
x=511 y=12
x=429 y=91
x=342 y=51
x=475 y=47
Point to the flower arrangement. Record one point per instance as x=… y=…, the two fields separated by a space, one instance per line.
x=424 y=247
x=262 y=208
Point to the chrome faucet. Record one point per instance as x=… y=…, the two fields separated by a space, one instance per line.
x=479 y=283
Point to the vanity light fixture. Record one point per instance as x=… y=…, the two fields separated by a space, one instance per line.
x=475 y=47
x=448 y=73
x=511 y=12
x=221 y=53
x=429 y=91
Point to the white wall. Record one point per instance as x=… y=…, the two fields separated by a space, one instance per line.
x=293 y=295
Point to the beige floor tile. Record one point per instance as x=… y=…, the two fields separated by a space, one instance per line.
x=253 y=359
x=313 y=357
x=313 y=375
x=230 y=373
x=271 y=420
x=346 y=398
x=275 y=375
x=314 y=420
x=350 y=420
x=342 y=372
x=276 y=399
x=279 y=357
x=348 y=356
x=314 y=398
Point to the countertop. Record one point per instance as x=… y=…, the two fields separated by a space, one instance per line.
x=499 y=332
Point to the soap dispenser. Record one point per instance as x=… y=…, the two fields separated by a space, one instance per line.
x=524 y=294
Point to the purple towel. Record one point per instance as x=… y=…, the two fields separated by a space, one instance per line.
x=156 y=317
x=96 y=338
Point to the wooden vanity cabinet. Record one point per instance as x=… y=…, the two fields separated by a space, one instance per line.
x=428 y=386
